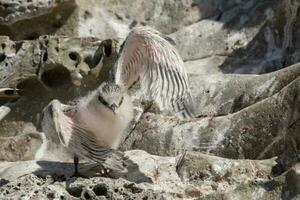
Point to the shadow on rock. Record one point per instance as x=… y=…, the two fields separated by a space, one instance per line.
x=60 y=170
x=3 y=182
x=260 y=36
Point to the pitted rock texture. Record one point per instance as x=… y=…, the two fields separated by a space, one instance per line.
x=95 y=188
x=29 y=19
x=265 y=128
x=253 y=36
x=250 y=36
x=241 y=116
x=44 y=69
x=219 y=94
x=200 y=176
x=22 y=147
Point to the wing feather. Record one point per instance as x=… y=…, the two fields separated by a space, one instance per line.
x=149 y=56
x=82 y=141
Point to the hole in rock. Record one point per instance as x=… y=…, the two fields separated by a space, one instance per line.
x=75 y=191
x=100 y=190
x=9 y=92
x=108 y=48
x=86 y=195
x=45 y=57
x=56 y=77
x=2 y=57
x=74 y=56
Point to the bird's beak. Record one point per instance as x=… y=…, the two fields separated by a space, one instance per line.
x=113 y=107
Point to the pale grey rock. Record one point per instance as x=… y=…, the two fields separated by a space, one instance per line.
x=17 y=17
x=209 y=65
x=22 y=147
x=43 y=70
x=292 y=184
x=198 y=168
x=219 y=94
x=255 y=132
x=115 y=18
x=255 y=36
x=203 y=175
x=261 y=113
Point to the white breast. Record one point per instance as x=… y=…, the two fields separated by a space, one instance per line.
x=106 y=126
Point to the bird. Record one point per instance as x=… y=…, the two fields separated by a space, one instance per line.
x=91 y=127
x=152 y=59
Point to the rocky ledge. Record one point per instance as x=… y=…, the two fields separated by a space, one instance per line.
x=198 y=176
x=244 y=144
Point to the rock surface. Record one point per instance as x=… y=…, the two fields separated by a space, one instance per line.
x=53 y=52
x=200 y=176
x=44 y=69
x=252 y=36
x=17 y=16
x=22 y=147
x=260 y=130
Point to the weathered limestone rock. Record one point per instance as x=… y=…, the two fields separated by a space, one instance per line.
x=260 y=114
x=44 y=69
x=292 y=184
x=219 y=94
x=197 y=168
x=35 y=58
x=255 y=190
x=255 y=36
x=22 y=147
x=252 y=36
x=217 y=175
x=30 y=19
x=123 y=15
x=283 y=187
x=255 y=132
x=202 y=175
x=208 y=65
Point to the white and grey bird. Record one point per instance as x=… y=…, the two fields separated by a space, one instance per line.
x=152 y=57
x=91 y=128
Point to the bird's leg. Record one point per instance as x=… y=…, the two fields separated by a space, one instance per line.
x=76 y=173
x=103 y=171
x=76 y=161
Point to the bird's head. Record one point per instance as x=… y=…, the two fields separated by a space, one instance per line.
x=110 y=95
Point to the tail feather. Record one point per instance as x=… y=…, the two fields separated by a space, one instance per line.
x=116 y=161
x=184 y=107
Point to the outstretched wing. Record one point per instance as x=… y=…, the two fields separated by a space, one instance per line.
x=147 y=55
x=82 y=141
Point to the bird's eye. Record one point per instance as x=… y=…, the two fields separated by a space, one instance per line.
x=102 y=101
x=121 y=101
